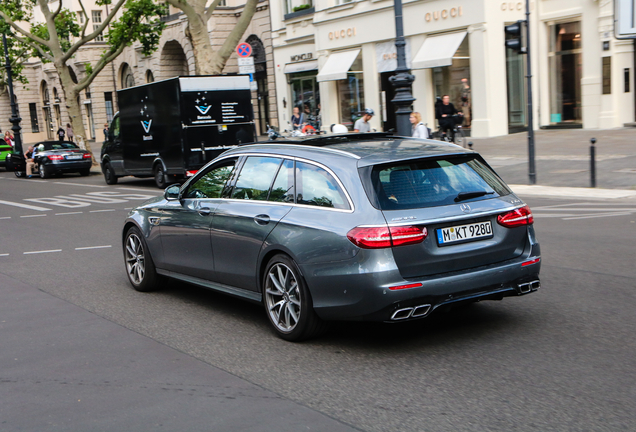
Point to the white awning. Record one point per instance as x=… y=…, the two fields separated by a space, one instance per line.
x=438 y=50
x=301 y=67
x=337 y=66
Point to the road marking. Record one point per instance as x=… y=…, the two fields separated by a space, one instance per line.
x=42 y=251
x=93 y=247
x=98 y=211
x=29 y=216
x=136 y=189
x=26 y=206
x=67 y=213
x=80 y=184
x=5 y=217
x=597 y=216
x=4 y=254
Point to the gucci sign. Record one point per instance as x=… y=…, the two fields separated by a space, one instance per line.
x=350 y=32
x=443 y=14
x=511 y=6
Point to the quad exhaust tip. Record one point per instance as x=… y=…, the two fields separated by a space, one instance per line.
x=411 y=312
x=525 y=288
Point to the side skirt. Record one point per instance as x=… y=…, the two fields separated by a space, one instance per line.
x=226 y=289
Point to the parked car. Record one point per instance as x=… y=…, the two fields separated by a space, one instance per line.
x=58 y=157
x=347 y=227
x=5 y=151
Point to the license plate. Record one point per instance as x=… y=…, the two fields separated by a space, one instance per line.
x=463 y=233
x=74 y=157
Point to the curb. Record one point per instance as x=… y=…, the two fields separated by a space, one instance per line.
x=571 y=192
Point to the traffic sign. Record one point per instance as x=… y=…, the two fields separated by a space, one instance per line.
x=246 y=61
x=247 y=69
x=244 y=50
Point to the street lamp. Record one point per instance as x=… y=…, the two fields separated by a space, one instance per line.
x=402 y=80
x=14 y=111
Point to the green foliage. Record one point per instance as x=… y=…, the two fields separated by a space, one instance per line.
x=88 y=68
x=66 y=25
x=139 y=22
x=301 y=7
x=16 y=57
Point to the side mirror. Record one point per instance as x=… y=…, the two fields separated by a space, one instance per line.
x=172 y=192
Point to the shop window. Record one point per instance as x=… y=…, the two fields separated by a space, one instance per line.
x=35 y=127
x=306 y=96
x=351 y=94
x=565 y=64
x=454 y=81
x=607 y=75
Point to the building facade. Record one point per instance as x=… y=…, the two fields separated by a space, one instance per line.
x=41 y=102
x=333 y=58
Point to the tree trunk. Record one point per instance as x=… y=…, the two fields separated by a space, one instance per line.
x=201 y=46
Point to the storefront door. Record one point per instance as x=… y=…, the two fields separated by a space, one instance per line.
x=515 y=67
x=306 y=96
x=565 y=73
x=389 y=120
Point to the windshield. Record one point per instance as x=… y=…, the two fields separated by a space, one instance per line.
x=60 y=146
x=435 y=182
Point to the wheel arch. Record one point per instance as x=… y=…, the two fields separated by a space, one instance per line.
x=267 y=255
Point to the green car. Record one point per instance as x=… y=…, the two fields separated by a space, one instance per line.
x=5 y=151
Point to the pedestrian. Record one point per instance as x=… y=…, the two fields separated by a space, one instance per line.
x=8 y=138
x=69 y=132
x=419 y=129
x=105 y=131
x=444 y=113
x=61 y=133
x=30 y=163
x=297 y=119
x=362 y=124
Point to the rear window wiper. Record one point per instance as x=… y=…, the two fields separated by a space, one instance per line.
x=473 y=194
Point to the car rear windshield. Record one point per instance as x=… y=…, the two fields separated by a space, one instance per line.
x=435 y=182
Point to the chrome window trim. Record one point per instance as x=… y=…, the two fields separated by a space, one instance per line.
x=283 y=157
x=447 y=219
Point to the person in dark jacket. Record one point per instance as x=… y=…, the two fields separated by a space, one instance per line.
x=444 y=114
x=60 y=133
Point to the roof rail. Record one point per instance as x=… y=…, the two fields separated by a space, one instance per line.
x=327 y=139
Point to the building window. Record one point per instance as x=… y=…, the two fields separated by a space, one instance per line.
x=80 y=17
x=292 y=6
x=454 y=81
x=108 y=97
x=35 y=126
x=351 y=94
x=565 y=65
x=626 y=73
x=97 y=21
x=150 y=77
x=607 y=75
x=88 y=93
x=306 y=96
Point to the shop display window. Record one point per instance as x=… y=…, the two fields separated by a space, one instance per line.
x=351 y=95
x=565 y=72
x=454 y=81
x=306 y=96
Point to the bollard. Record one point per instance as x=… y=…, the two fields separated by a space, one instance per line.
x=593 y=163
x=470 y=145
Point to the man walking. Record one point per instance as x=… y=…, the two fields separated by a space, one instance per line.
x=362 y=124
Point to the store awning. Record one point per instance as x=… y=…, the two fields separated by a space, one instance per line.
x=438 y=50
x=301 y=67
x=337 y=66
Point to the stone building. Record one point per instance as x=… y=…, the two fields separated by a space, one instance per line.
x=41 y=101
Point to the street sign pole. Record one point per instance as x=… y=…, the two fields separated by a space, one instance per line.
x=532 y=174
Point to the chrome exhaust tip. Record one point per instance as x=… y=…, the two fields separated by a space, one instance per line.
x=525 y=288
x=421 y=310
x=402 y=314
x=535 y=285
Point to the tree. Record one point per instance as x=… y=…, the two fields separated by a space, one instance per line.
x=60 y=36
x=206 y=60
x=17 y=54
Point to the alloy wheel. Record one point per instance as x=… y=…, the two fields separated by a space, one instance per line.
x=282 y=296
x=135 y=259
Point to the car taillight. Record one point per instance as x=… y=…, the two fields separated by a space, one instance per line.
x=56 y=157
x=516 y=218
x=87 y=156
x=384 y=237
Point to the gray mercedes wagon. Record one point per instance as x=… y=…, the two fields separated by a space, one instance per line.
x=345 y=227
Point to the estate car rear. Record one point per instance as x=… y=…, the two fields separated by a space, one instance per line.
x=357 y=227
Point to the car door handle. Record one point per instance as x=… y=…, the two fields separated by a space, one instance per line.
x=261 y=219
x=204 y=211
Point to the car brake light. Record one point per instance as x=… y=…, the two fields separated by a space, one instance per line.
x=384 y=237
x=532 y=261
x=87 y=156
x=519 y=217
x=56 y=157
x=399 y=287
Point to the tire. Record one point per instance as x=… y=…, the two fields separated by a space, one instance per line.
x=44 y=171
x=288 y=302
x=140 y=268
x=161 y=179
x=109 y=174
x=85 y=172
x=19 y=174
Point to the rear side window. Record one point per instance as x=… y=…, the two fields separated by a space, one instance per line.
x=256 y=177
x=434 y=182
x=315 y=186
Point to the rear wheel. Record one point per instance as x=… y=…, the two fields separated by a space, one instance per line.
x=288 y=302
x=44 y=171
x=140 y=268
x=160 y=177
x=109 y=174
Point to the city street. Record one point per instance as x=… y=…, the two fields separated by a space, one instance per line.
x=562 y=358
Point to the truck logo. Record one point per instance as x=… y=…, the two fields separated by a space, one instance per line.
x=146 y=125
x=203 y=109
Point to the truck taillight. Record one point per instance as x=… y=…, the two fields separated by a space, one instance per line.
x=519 y=217
x=384 y=237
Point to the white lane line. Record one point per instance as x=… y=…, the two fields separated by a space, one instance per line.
x=597 y=216
x=26 y=206
x=135 y=189
x=42 y=251
x=128 y=208
x=67 y=213
x=81 y=184
x=606 y=210
x=29 y=216
x=4 y=254
x=93 y=247
x=5 y=217
x=98 y=211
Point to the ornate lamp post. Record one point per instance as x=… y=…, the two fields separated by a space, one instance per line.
x=15 y=119
x=402 y=80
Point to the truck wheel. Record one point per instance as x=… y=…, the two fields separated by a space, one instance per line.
x=160 y=177
x=109 y=174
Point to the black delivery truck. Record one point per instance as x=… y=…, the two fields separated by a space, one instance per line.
x=169 y=129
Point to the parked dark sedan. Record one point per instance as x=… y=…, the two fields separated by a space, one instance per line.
x=57 y=157
x=355 y=227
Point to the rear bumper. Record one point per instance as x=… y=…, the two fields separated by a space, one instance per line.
x=359 y=290
x=69 y=166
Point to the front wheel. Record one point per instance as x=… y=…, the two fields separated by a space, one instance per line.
x=160 y=177
x=109 y=174
x=288 y=301
x=140 y=268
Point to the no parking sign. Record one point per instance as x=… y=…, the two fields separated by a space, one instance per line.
x=244 y=50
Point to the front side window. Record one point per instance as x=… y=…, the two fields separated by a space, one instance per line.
x=315 y=186
x=115 y=128
x=213 y=183
x=256 y=177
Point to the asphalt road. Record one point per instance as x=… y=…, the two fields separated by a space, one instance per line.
x=560 y=359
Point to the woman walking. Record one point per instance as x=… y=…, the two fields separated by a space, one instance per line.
x=69 y=132
x=418 y=129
